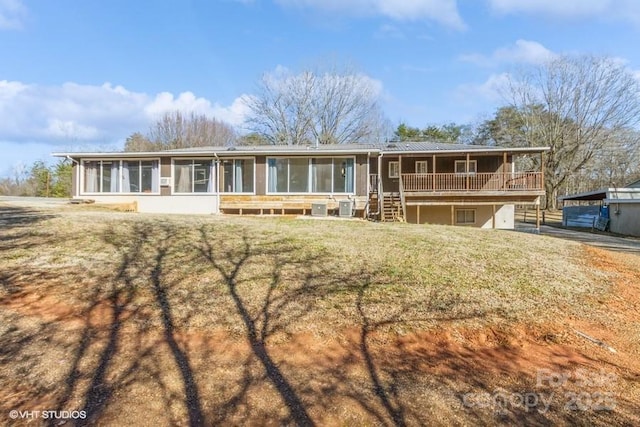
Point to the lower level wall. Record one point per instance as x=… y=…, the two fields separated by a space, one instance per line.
x=625 y=218
x=183 y=204
x=504 y=218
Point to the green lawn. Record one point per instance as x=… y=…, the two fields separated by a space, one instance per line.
x=206 y=318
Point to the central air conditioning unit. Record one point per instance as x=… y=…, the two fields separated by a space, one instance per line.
x=346 y=208
x=165 y=182
x=318 y=209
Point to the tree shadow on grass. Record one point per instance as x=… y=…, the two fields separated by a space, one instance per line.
x=19 y=229
x=116 y=338
x=262 y=320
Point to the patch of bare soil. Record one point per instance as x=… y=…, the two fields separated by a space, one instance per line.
x=449 y=376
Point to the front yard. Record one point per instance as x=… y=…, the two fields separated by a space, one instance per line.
x=219 y=320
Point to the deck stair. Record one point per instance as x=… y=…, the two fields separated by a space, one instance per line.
x=392 y=208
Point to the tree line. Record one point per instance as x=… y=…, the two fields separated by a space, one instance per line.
x=39 y=180
x=586 y=109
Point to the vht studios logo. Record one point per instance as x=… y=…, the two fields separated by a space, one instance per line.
x=47 y=415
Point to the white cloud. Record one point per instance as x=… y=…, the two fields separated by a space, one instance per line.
x=521 y=52
x=444 y=12
x=628 y=10
x=74 y=113
x=387 y=31
x=490 y=91
x=12 y=14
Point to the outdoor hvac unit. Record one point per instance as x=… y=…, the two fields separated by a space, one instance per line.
x=346 y=208
x=318 y=209
x=165 y=182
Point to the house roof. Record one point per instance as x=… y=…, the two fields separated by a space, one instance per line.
x=613 y=195
x=388 y=147
x=634 y=184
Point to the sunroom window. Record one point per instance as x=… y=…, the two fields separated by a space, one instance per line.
x=140 y=176
x=237 y=176
x=193 y=176
x=315 y=175
x=101 y=176
x=116 y=176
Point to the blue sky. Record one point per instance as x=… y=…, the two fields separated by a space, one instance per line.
x=83 y=75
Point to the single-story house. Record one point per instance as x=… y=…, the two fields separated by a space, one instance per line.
x=418 y=182
x=620 y=206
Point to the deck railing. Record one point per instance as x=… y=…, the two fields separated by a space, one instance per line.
x=373 y=183
x=440 y=182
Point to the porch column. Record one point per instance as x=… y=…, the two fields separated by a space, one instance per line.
x=453 y=215
x=504 y=170
x=379 y=172
x=433 y=188
x=542 y=170
x=467 y=170
x=418 y=214
x=538 y=216
x=400 y=183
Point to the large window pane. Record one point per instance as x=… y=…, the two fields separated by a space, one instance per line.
x=243 y=176
x=149 y=176
x=110 y=176
x=280 y=180
x=182 y=176
x=202 y=176
x=227 y=176
x=131 y=176
x=92 y=176
x=321 y=175
x=298 y=175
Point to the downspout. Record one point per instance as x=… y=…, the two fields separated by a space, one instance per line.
x=217 y=182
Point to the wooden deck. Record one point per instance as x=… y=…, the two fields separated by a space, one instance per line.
x=476 y=182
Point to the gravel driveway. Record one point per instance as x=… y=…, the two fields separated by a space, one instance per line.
x=604 y=241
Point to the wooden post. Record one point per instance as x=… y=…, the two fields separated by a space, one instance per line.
x=453 y=215
x=538 y=216
x=542 y=170
x=434 y=172
x=467 y=170
x=418 y=214
x=493 y=217
x=504 y=170
x=399 y=172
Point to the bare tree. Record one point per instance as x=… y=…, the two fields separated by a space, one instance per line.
x=176 y=130
x=577 y=106
x=138 y=142
x=330 y=107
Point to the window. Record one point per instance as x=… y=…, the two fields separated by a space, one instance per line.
x=316 y=175
x=394 y=169
x=121 y=176
x=140 y=176
x=298 y=175
x=193 y=176
x=101 y=176
x=461 y=167
x=465 y=216
x=421 y=166
x=322 y=175
x=237 y=176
